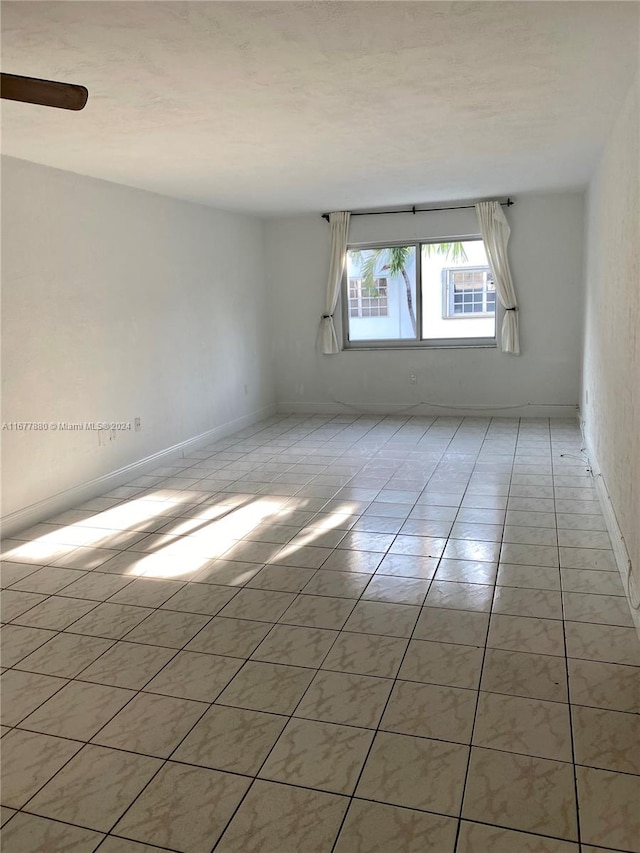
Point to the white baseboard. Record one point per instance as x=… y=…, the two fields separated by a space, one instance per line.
x=528 y=410
x=27 y=516
x=620 y=553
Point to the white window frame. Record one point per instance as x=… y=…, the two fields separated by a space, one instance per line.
x=418 y=342
x=448 y=294
x=380 y=281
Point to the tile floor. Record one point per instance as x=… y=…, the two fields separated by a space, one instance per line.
x=327 y=635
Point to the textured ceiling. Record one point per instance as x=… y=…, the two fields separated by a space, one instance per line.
x=284 y=107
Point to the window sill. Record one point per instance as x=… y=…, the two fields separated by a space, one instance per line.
x=377 y=347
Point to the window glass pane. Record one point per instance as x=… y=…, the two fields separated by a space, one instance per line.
x=458 y=295
x=382 y=293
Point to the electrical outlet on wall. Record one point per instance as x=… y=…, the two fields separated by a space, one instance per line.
x=413 y=378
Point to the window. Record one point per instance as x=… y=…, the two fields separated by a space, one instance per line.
x=368 y=300
x=468 y=292
x=430 y=293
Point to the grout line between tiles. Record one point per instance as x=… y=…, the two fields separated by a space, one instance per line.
x=569 y=706
x=475 y=712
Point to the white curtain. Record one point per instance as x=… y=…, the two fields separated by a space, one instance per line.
x=495 y=234
x=339 y=225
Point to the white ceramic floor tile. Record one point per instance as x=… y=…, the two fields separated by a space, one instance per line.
x=345 y=698
x=336 y=604
x=232 y=739
x=29 y=760
x=374 y=827
x=275 y=817
x=521 y=792
x=28 y=833
x=95 y=787
x=320 y=755
x=415 y=773
x=184 y=808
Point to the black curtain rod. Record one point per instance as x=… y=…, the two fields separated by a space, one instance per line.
x=414 y=210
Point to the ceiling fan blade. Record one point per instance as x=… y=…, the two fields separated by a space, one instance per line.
x=47 y=93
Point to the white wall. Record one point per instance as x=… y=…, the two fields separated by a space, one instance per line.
x=116 y=304
x=610 y=402
x=546 y=257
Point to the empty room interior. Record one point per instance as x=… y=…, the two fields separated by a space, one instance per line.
x=320 y=427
